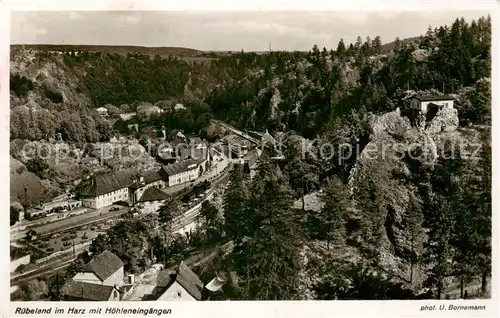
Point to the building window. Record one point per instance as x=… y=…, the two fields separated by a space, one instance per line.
x=179 y=293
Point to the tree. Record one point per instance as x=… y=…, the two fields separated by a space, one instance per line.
x=333 y=212
x=169 y=211
x=34 y=290
x=208 y=212
x=358 y=44
x=398 y=45
x=130 y=240
x=341 y=49
x=377 y=45
x=414 y=233
x=268 y=260
x=210 y=221
x=235 y=207
x=14 y=215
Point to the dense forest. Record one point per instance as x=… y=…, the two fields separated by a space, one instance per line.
x=400 y=227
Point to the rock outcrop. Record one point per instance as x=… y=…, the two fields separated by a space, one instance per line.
x=446 y=119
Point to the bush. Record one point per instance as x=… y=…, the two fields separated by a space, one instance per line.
x=20 y=85
x=50 y=249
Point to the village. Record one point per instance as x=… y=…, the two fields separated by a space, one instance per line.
x=49 y=237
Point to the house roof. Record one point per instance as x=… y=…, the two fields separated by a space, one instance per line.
x=199 y=155
x=430 y=98
x=164 y=278
x=189 y=280
x=153 y=194
x=151 y=176
x=104 y=265
x=87 y=291
x=178 y=167
x=106 y=183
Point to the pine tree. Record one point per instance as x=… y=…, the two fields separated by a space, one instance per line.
x=168 y=212
x=235 y=207
x=341 y=50
x=358 y=44
x=398 y=45
x=377 y=45
x=333 y=212
x=268 y=261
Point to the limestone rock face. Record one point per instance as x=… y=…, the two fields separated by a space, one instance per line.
x=420 y=55
x=446 y=119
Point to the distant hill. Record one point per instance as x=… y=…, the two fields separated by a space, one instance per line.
x=120 y=49
x=390 y=46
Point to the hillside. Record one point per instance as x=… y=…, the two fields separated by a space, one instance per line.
x=404 y=211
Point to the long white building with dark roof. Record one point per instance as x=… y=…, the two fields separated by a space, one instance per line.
x=181 y=172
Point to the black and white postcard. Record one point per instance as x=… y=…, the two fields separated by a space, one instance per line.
x=258 y=161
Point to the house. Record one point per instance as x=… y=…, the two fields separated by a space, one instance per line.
x=181 y=172
x=423 y=102
x=199 y=154
x=151 y=200
x=84 y=291
x=35 y=213
x=151 y=178
x=166 y=155
x=102 y=111
x=104 y=269
x=102 y=190
x=127 y=185
x=182 y=284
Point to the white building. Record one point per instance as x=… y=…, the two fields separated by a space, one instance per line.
x=181 y=172
x=424 y=102
x=106 y=189
x=184 y=284
x=151 y=200
x=104 y=269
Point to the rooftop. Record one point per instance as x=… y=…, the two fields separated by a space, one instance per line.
x=184 y=276
x=430 y=98
x=189 y=280
x=104 y=265
x=87 y=291
x=106 y=183
x=153 y=194
x=179 y=167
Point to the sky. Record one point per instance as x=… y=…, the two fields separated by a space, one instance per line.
x=250 y=31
